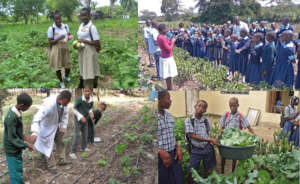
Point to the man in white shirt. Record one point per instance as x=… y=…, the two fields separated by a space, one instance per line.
x=49 y=125
x=146 y=34
x=153 y=47
x=238 y=26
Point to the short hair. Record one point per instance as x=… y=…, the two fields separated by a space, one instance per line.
x=161 y=27
x=201 y=102
x=243 y=30
x=234 y=99
x=65 y=95
x=259 y=35
x=181 y=24
x=56 y=13
x=286 y=18
x=103 y=104
x=24 y=99
x=162 y=94
x=87 y=10
x=227 y=30
x=271 y=36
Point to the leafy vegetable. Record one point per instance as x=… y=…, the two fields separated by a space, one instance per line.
x=236 y=137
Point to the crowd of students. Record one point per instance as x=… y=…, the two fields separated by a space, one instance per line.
x=197 y=130
x=252 y=55
x=49 y=125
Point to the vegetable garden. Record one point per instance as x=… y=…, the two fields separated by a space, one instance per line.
x=24 y=55
x=272 y=162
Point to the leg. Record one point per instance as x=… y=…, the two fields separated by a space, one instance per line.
x=194 y=163
x=157 y=55
x=90 y=132
x=15 y=168
x=169 y=83
x=60 y=148
x=75 y=137
x=233 y=165
x=223 y=165
x=84 y=132
x=58 y=74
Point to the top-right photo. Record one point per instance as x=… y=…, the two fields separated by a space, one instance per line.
x=227 y=45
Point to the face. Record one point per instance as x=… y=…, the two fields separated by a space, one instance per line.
x=200 y=108
x=233 y=106
x=255 y=39
x=285 y=21
x=57 y=20
x=165 y=102
x=233 y=38
x=243 y=34
x=101 y=108
x=84 y=16
x=64 y=102
x=148 y=22
x=87 y=92
x=227 y=33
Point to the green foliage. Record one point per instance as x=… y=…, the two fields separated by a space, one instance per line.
x=102 y=162
x=147 y=138
x=130 y=137
x=236 y=137
x=66 y=7
x=114 y=181
x=84 y=154
x=120 y=148
x=125 y=161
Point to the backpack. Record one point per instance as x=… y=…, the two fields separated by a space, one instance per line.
x=189 y=145
x=98 y=46
x=282 y=119
x=240 y=119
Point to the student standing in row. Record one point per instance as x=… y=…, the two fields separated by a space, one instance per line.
x=146 y=36
x=88 y=56
x=153 y=46
x=169 y=151
x=197 y=128
x=233 y=119
x=14 y=141
x=58 y=35
x=268 y=57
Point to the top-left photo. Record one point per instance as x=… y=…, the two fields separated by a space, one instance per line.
x=69 y=44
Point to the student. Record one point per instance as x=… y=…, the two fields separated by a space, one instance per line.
x=290 y=115
x=285 y=26
x=268 y=57
x=146 y=34
x=233 y=58
x=153 y=47
x=210 y=47
x=295 y=135
x=58 y=35
x=226 y=47
x=169 y=151
x=283 y=74
x=88 y=56
x=233 y=119
x=263 y=30
x=95 y=117
x=297 y=84
x=14 y=141
x=200 y=45
x=197 y=128
x=49 y=126
x=218 y=45
x=254 y=67
x=83 y=113
x=167 y=64
x=243 y=51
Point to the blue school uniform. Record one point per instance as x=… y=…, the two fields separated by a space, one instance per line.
x=252 y=31
x=284 y=71
x=253 y=75
x=268 y=57
x=210 y=49
x=218 y=51
x=193 y=44
x=233 y=58
x=226 y=53
x=200 y=47
x=295 y=136
x=264 y=32
x=243 y=56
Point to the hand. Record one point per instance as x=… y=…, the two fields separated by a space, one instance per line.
x=238 y=51
x=30 y=147
x=166 y=158
x=178 y=155
x=32 y=139
x=265 y=73
x=214 y=142
x=219 y=136
x=92 y=115
x=83 y=120
x=173 y=39
x=82 y=41
x=62 y=37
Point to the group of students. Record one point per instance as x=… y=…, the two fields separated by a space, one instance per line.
x=58 y=36
x=252 y=55
x=197 y=128
x=49 y=125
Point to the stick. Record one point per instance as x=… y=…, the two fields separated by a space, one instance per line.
x=56 y=176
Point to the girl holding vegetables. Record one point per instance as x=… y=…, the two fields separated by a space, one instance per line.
x=58 y=35
x=88 y=56
x=233 y=119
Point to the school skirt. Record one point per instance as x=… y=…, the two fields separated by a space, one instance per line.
x=287 y=130
x=218 y=53
x=60 y=56
x=88 y=62
x=167 y=67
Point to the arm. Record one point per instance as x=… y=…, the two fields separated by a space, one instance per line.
x=246 y=46
x=38 y=117
x=12 y=135
x=166 y=46
x=251 y=130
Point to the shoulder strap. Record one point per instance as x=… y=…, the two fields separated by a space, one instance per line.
x=53 y=30
x=240 y=122
x=90 y=31
x=206 y=125
x=192 y=122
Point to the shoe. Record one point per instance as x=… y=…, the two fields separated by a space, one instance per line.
x=67 y=79
x=65 y=162
x=73 y=156
x=62 y=85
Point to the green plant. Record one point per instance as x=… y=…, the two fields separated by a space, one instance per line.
x=120 y=148
x=84 y=154
x=130 y=137
x=102 y=162
x=125 y=161
x=236 y=137
x=147 y=138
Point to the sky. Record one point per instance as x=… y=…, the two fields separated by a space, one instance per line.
x=104 y=3
x=154 y=5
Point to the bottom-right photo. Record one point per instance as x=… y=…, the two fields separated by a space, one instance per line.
x=218 y=137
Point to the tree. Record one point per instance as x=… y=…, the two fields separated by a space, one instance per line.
x=129 y=5
x=94 y=5
x=66 y=7
x=112 y=4
x=170 y=8
x=146 y=14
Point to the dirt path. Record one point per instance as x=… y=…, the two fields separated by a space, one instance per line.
x=129 y=117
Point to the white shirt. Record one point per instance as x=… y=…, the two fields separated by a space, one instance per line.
x=153 y=48
x=146 y=32
x=84 y=32
x=237 y=28
x=59 y=31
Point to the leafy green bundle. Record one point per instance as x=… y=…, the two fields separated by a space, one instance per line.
x=236 y=137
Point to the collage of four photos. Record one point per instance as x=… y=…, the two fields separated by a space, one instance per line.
x=149 y=92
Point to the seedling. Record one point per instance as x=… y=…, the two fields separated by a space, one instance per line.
x=120 y=148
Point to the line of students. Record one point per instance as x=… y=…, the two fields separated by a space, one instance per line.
x=58 y=36
x=261 y=55
x=197 y=128
x=49 y=125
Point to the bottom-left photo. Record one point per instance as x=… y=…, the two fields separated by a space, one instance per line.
x=69 y=136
